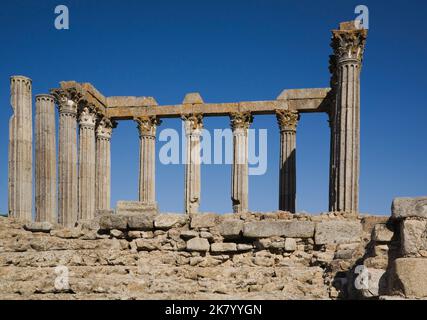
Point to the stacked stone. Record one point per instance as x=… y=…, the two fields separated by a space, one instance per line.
x=408 y=271
x=240 y=123
x=20 y=149
x=45 y=175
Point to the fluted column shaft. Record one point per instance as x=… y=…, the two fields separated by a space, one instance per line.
x=67 y=158
x=87 y=120
x=348 y=45
x=193 y=129
x=287 y=121
x=103 y=165
x=20 y=149
x=45 y=135
x=147 y=160
x=240 y=123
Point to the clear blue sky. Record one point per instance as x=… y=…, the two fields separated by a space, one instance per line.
x=233 y=51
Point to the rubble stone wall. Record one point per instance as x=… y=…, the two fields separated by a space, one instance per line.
x=208 y=256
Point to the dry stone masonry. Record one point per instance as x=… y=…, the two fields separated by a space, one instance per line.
x=135 y=252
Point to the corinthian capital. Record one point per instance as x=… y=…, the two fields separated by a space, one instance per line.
x=147 y=125
x=240 y=120
x=349 y=42
x=287 y=120
x=105 y=127
x=193 y=122
x=67 y=100
x=87 y=116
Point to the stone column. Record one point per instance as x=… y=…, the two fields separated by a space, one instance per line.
x=147 y=161
x=193 y=124
x=87 y=120
x=67 y=101
x=287 y=120
x=20 y=149
x=348 y=44
x=240 y=123
x=103 y=133
x=45 y=134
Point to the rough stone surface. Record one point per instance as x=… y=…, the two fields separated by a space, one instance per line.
x=204 y=220
x=292 y=229
x=409 y=277
x=143 y=221
x=414 y=237
x=409 y=207
x=224 y=247
x=329 y=232
x=38 y=226
x=198 y=244
x=167 y=221
x=114 y=221
x=231 y=228
x=382 y=233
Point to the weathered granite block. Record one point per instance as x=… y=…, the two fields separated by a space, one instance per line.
x=198 y=244
x=38 y=226
x=382 y=233
x=134 y=207
x=204 y=220
x=223 y=247
x=329 y=232
x=114 y=221
x=408 y=277
x=413 y=237
x=231 y=228
x=291 y=229
x=409 y=207
x=167 y=221
x=142 y=221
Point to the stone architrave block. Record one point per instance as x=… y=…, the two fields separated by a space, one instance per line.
x=409 y=207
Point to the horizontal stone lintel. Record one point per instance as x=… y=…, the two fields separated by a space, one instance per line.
x=130 y=107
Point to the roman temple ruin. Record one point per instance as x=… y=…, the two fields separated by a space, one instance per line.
x=77 y=186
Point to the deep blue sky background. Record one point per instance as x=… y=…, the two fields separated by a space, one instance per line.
x=233 y=51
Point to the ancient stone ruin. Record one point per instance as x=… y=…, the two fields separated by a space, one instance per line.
x=136 y=252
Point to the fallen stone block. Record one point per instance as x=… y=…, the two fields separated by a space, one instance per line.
x=198 y=244
x=291 y=229
x=337 y=232
x=409 y=207
x=408 y=277
x=223 y=247
x=134 y=207
x=290 y=244
x=188 y=234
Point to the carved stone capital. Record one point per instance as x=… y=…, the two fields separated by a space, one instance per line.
x=105 y=127
x=67 y=100
x=147 y=125
x=287 y=120
x=349 y=45
x=87 y=117
x=193 y=122
x=240 y=120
